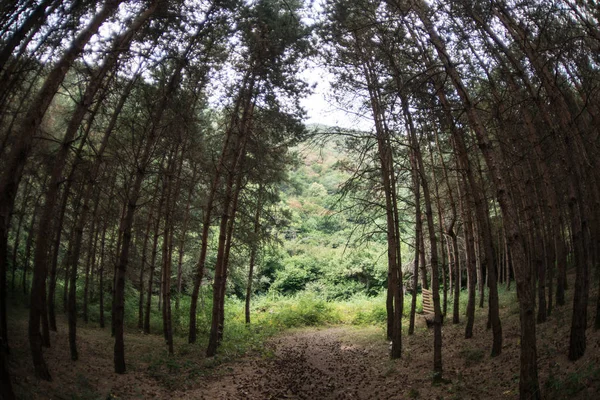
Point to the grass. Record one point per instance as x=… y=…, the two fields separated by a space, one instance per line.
x=270 y=313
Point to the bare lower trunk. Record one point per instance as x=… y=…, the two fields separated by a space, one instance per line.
x=56 y=247
x=413 y=304
x=253 y=251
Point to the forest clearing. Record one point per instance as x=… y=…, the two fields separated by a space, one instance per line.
x=298 y=198
x=323 y=362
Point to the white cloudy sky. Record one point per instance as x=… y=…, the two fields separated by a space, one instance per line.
x=323 y=109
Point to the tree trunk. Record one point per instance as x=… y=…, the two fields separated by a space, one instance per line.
x=395 y=295
x=438 y=200
x=206 y=220
x=457 y=280
x=152 y=266
x=253 y=251
x=13 y=171
x=86 y=286
x=220 y=272
x=485 y=233
x=29 y=245
x=435 y=284
x=34 y=19
x=182 y=240
x=571 y=146
x=234 y=159
x=418 y=224
x=528 y=383
x=143 y=262
x=17 y=242
x=101 y=270
x=72 y=298
x=56 y=249
x=167 y=248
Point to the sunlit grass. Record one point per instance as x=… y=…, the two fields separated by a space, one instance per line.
x=271 y=313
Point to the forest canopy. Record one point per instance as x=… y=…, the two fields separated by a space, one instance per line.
x=155 y=164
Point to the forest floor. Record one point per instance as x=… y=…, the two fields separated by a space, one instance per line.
x=336 y=362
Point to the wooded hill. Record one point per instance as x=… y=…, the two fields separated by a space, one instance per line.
x=144 y=145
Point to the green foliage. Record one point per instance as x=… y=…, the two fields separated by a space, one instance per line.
x=322 y=250
x=374 y=315
x=297 y=271
x=303 y=309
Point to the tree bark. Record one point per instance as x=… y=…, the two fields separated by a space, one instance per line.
x=435 y=284
x=9 y=181
x=418 y=224
x=30 y=23
x=56 y=249
x=253 y=251
x=528 y=383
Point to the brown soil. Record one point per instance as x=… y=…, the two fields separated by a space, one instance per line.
x=318 y=363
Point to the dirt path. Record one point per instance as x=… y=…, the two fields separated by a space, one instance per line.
x=341 y=362
x=353 y=363
x=308 y=364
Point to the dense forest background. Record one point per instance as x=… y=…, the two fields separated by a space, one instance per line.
x=156 y=174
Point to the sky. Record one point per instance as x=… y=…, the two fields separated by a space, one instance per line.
x=321 y=106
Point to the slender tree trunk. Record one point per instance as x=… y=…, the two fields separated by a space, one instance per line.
x=253 y=251
x=206 y=220
x=72 y=302
x=528 y=383
x=32 y=20
x=444 y=268
x=56 y=249
x=470 y=261
x=93 y=267
x=86 y=286
x=101 y=269
x=143 y=262
x=29 y=245
x=457 y=280
x=65 y=265
x=220 y=272
x=229 y=240
x=450 y=228
x=417 y=191
x=156 y=235
x=16 y=244
x=485 y=233
x=435 y=284
x=117 y=253
x=395 y=295
x=152 y=268
x=17 y=241
x=234 y=159
x=167 y=248
x=184 y=229
x=12 y=173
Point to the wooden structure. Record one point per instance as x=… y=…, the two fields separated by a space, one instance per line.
x=427 y=302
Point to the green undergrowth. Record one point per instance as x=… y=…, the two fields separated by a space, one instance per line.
x=270 y=314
